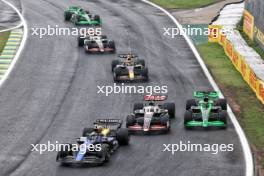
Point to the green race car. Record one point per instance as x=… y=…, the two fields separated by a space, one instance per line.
x=80 y=16
x=206 y=110
x=73 y=10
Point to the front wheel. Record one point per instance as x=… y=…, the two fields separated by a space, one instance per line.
x=187 y=117
x=80 y=41
x=171 y=109
x=123 y=136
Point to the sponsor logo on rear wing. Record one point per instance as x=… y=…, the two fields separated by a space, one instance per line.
x=203 y=94
x=155 y=97
x=125 y=55
x=108 y=121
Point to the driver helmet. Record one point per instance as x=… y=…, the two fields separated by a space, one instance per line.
x=129 y=59
x=98 y=128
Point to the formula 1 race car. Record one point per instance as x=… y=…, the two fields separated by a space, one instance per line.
x=206 y=110
x=74 y=10
x=129 y=68
x=152 y=115
x=96 y=144
x=97 y=44
x=80 y=16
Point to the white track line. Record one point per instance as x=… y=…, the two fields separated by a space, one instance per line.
x=9 y=29
x=249 y=171
x=22 y=44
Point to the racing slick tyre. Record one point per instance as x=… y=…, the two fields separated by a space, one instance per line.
x=138 y=106
x=222 y=102
x=80 y=41
x=111 y=44
x=187 y=117
x=171 y=109
x=190 y=103
x=64 y=151
x=114 y=64
x=98 y=19
x=130 y=120
x=87 y=131
x=223 y=117
x=141 y=62
x=145 y=74
x=122 y=136
x=118 y=71
x=67 y=16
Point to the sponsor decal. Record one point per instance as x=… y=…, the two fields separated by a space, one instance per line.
x=248 y=24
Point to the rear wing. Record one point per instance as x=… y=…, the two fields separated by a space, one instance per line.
x=107 y=122
x=123 y=56
x=155 y=97
x=206 y=94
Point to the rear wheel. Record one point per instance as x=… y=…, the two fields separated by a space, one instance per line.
x=97 y=19
x=171 y=109
x=222 y=103
x=145 y=74
x=138 y=106
x=190 y=103
x=130 y=120
x=123 y=136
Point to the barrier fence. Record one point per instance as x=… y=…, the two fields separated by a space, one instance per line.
x=248 y=66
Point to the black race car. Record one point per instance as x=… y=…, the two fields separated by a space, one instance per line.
x=129 y=68
x=96 y=144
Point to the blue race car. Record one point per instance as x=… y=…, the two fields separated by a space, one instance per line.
x=96 y=144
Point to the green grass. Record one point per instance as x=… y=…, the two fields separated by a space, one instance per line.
x=250 y=43
x=183 y=4
x=248 y=109
x=3 y=38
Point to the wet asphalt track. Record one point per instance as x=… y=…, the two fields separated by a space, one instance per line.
x=52 y=94
x=8 y=16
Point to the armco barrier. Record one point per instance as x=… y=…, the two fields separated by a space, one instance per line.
x=245 y=59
